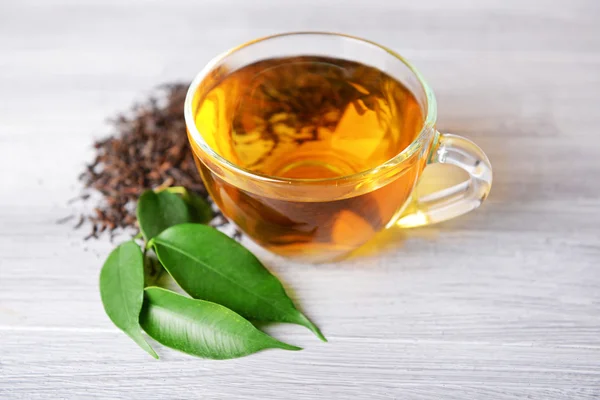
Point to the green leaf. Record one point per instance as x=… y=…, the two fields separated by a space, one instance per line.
x=199 y=209
x=201 y=328
x=211 y=266
x=122 y=290
x=158 y=211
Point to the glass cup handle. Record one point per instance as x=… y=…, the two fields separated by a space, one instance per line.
x=455 y=200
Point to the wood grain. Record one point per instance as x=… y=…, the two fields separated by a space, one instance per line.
x=501 y=304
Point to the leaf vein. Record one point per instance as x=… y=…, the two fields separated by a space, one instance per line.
x=274 y=304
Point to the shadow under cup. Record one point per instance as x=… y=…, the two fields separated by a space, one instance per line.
x=314 y=220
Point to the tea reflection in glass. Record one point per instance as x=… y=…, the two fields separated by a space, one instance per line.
x=308 y=118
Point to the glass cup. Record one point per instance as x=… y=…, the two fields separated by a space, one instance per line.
x=319 y=220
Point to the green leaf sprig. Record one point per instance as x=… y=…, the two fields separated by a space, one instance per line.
x=209 y=265
x=228 y=285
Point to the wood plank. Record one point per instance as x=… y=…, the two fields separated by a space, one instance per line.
x=499 y=304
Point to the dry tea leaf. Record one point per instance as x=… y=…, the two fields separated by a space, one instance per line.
x=149 y=149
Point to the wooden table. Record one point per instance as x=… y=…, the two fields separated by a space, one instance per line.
x=501 y=304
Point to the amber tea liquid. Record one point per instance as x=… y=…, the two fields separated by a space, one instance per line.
x=308 y=118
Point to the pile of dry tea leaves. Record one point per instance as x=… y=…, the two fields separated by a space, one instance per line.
x=149 y=150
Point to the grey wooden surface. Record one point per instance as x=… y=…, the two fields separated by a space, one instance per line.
x=501 y=304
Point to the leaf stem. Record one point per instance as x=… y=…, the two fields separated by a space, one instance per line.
x=149 y=244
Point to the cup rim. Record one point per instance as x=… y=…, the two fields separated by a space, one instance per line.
x=414 y=146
